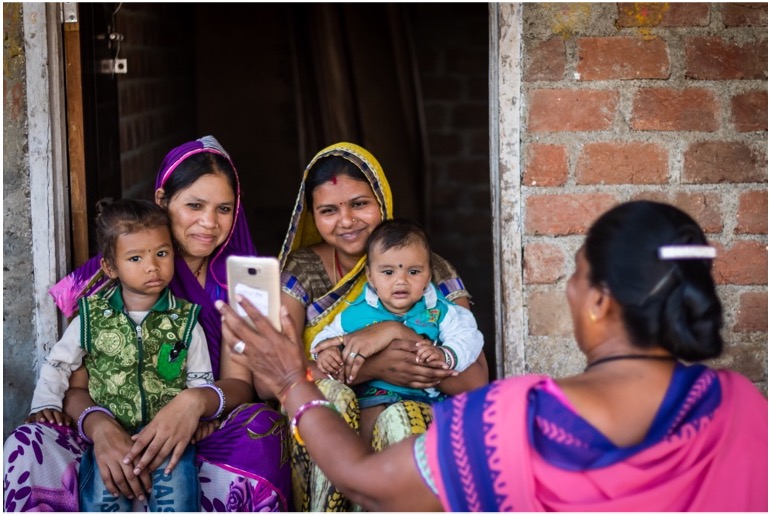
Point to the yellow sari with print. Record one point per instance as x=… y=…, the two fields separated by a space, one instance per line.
x=312 y=490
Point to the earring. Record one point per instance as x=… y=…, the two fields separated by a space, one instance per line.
x=593 y=317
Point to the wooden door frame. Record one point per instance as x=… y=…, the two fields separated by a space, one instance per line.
x=505 y=57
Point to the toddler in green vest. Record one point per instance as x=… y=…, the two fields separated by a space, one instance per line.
x=133 y=347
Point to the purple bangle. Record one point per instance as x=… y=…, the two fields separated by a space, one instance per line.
x=222 y=399
x=82 y=418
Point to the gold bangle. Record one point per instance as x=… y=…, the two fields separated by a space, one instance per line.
x=341 y=339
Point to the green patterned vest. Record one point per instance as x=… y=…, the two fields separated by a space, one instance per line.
x=135 y=370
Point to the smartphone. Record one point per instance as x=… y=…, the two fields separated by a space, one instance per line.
x=256 y=278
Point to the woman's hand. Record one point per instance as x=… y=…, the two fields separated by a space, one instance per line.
x=111 y=443
x=169 y=432
x=398 y=365
x=277 y=358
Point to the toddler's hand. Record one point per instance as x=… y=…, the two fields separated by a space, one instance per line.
x=330 y=361
x=51 y=416
x=432 y=355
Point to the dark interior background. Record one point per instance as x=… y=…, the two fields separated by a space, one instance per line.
x=275 y=83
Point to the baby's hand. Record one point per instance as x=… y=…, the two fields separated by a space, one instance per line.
x=205 y=429
x=429 y=354
x=330 y=361
x=51 y=416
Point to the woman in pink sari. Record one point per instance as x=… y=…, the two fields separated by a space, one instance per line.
x=244 y=464
x=638 y=430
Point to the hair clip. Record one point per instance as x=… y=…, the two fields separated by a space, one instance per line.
x=687 y=252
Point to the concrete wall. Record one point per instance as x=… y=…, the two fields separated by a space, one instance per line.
x=655 y=101
x=18 y=301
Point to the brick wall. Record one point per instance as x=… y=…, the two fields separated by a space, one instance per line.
x=155 y=95
x=452 y=56
x=654 y=101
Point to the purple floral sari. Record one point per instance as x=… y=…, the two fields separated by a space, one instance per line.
x=244 y=465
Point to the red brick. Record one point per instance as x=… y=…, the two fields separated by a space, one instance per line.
x=546 y=61
x=745 y=263
x=572 y=110
x=567 y=214
x=745 y=14
x=713 y=58
x=724 y=162
x=667 y=14
x=752 y=312
x=749 y=111
x=705 y=208
x=549 y=314
x=546 y=165
x=602 y=59
x=543 y=263
x=622 y=163
x=667 y=109
x=752 y=213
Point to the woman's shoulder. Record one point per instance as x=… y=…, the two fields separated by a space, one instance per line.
x=301 y=259
x=446 y=278
x=303 y=276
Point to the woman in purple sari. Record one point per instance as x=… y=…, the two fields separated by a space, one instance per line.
x=244 y=464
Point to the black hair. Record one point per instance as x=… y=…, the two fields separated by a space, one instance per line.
x=119 y=217
x=195 y=167
x=327 y=168
x=396 y=233
x=672 y=303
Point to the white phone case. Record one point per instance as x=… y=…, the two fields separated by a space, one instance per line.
x=257 y=278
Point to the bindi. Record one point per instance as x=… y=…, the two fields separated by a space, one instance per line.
x=400 y=266
x=333 y=180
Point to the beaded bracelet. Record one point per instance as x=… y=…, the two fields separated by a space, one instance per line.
x=300 y=411
x=222 y=401
x=82 y=418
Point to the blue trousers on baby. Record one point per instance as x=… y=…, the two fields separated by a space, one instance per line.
x=177 y=492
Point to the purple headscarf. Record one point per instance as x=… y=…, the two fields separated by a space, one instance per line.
x=88 y=279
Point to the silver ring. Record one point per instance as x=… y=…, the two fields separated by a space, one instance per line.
x=239 y=347
x=353 y=354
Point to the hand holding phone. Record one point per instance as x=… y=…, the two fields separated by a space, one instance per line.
x=258 y=280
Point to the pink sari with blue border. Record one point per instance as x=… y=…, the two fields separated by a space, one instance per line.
x=705 y=451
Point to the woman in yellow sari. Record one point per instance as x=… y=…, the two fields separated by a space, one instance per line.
x=344 y=195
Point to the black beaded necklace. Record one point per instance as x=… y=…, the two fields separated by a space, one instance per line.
x=630 y=357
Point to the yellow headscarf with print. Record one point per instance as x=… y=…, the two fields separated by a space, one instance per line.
x=303 y=233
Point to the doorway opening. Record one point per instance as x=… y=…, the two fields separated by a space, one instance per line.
x=275 y=83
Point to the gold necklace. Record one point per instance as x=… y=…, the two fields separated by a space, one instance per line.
x=336 y=266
